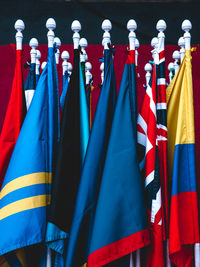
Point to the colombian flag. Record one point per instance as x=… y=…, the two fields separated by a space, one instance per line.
x=26 y=189
x=184 y=226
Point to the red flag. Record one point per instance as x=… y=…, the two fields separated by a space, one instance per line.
x=14 y=117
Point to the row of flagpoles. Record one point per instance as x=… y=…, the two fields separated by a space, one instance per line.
x=122 y=189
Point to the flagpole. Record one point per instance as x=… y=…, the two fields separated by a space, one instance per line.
x=176 y=57
x=50 y=25
x=30 y=92
x=102 y=72
x=58 y=44
x=171 y=69
x=186 y=27
x=131 y=27
x=37 y=68
x=148 y=69
x=65 y=57
x=181 y=43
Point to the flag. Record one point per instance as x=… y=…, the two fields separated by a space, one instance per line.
x=110 y=218
x=89 y=90
x=161 y=110
x=30 y=84
x=26 y=190
x=148 y=147
x=14 y=117
x=64 y=90
x=69 y=161
x=184 y=225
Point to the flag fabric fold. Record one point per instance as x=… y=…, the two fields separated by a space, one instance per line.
x=14 y=117
x=184 y=224
x=110 y=220
x=149 y=162
x=30 y=84
x=69 y=161
x=26 y=190
x=64 y=90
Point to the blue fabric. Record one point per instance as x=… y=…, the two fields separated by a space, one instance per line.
x=30 y=82
x=84 y=119
x=184 y=174
x=78 y=246
x=64 y=91
x=33 y=153
x=37 y=76
x=121 y=198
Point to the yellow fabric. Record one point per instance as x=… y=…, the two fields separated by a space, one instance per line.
x=3 y=262
x=26 y=180
x=24 y=204
x=20 y=253
x=180 y=113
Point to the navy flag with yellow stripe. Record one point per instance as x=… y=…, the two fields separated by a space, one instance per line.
x=26 y=189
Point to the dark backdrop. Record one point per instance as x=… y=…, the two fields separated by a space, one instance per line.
x=91 y=15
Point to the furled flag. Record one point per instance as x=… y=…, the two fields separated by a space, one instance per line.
x=89 y=90
x=161 y=110
x=14 y=117
x=30 y=84
x=64 y=89
x=110 y=218
x=69 y=161
x=148 y=147
x=26 y=190
x=184 y=224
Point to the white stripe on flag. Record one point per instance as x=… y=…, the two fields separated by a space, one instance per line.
x=142 y=123
x=161 y=81
x=161 y=138
x=161 y=106
x=156 y=205
x=161 y=126
x=141 y=139
x=149 y=179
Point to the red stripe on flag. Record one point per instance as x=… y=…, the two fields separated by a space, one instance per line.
x=118 y=249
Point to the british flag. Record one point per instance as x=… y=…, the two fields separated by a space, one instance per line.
x=150 y=132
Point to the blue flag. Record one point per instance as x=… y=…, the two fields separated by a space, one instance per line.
x=78 y=248
x=69 y=161
x=64 y=90
x=26 y=190
x=30 y=84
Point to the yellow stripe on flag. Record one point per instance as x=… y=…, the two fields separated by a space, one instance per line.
x=25 y=204
x=180 y=112
x=26 y=180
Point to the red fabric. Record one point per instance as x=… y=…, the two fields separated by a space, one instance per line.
x=13 y=119
x=182 y=231
x=118 y=249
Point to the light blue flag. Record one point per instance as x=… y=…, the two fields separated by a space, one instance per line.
x=26 y=190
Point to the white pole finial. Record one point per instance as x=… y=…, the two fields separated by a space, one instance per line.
x=186 y=27
x=19 y=27
x=176 y=57
x=33 y=44
x=50 y=25
x=102 y=72
x=58 y=44
x=171 y=69
x=65 y=57
x=83 y=44
x=131 y=26
x=76 y=27
x=106 y=27
x=137 y=44
x=154 y=44
x=181 y=43
x=37 y=68
x=161 y=27
x=43 y=65
x=88 y=74
x=148 y=69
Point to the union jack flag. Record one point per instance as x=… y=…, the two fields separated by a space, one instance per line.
x=149 y=134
